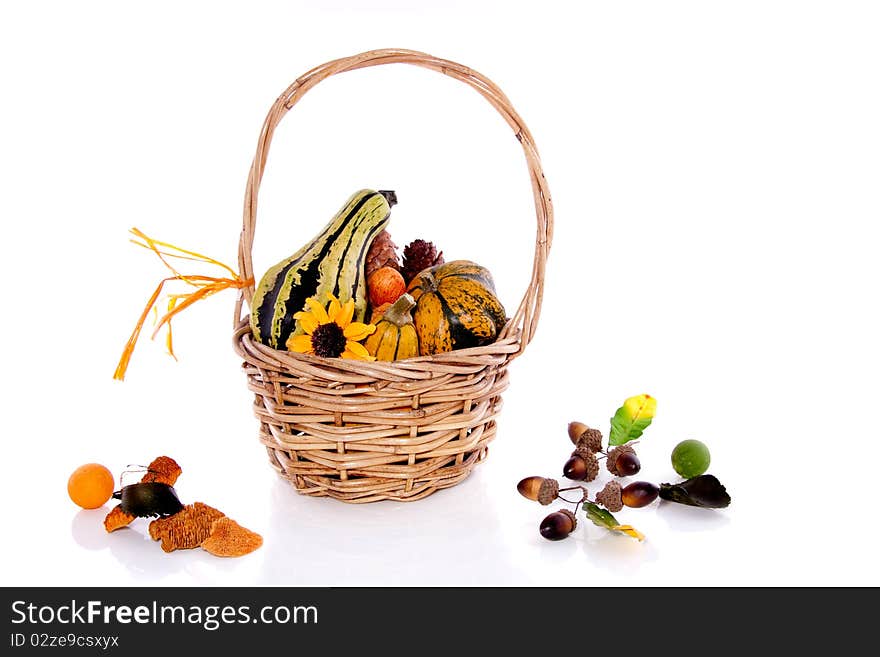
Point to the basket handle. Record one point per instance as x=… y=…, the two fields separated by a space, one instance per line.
x=526 y=316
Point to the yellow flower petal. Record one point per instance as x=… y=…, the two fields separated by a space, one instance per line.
x=333 y=309
x=357 y=331
x=307 y=320
x=345 y=315
x=301 y=344
x=356 y=351
x=629 y=530
x=318 y=310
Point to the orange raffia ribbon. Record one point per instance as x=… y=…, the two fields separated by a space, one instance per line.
x=205 y=287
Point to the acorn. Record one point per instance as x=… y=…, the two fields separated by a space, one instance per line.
x=583 y=436
x=622 y=461
x=639 y=494
x=627 y=464
x=575 y=468
x=581 y=466
x=558 y=525
x=576 y=430
x=539 y=489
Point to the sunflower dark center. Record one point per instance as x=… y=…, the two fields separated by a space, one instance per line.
x=328 y=340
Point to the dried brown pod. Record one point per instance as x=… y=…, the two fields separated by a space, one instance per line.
x=162 y=471
x=148 y=499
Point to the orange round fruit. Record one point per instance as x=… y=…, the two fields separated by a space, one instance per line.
x=385 y=285
x=90 y=485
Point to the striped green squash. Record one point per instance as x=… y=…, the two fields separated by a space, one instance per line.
x=331 y=263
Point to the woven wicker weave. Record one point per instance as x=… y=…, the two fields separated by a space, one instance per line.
x=362 y=432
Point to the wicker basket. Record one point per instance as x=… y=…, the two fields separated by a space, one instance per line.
x=362 y=432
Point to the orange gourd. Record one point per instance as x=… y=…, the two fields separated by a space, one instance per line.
x=395 y=336
x=456 y=307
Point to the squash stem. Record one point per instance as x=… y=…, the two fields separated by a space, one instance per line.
x=398 y=312
x=390 y=196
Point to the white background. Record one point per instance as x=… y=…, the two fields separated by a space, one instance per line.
x=714 y=169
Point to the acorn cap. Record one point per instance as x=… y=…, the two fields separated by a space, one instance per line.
x=590 y=460
x=610 y=497
x=613 y=455
x=591 y=439
x=548 y=491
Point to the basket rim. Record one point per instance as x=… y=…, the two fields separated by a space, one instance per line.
x=459 y=361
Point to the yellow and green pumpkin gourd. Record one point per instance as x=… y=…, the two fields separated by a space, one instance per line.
x=456 y=307
x=395 y=335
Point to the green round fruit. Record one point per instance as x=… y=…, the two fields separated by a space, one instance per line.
x=690 y=458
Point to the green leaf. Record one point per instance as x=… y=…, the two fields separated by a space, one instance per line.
x=632 y=419
x=603 y=518
x=599 y=516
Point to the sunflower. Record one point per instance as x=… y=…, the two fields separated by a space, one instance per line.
x=331 y=333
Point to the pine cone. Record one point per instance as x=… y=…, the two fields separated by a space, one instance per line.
x=611 y=461
x=382 y=253
x=417 y=256
x=610 y=497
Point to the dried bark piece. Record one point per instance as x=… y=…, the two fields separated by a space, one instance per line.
x=164 y=470
x=229 y=539
x=116 y=519
x=186 y=529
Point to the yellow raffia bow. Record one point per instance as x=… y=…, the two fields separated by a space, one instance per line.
x=205 y=287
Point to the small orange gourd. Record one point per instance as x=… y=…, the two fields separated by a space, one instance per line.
x=395 y=335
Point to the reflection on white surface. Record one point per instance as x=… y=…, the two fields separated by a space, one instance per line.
x=684 y=518
x=142 y=558
x=620 y=554
x=87 y=529
x=440 y=540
